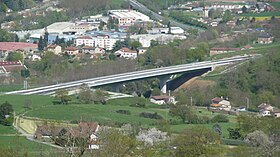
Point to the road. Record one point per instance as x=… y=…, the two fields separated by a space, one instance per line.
x=154 y=15
x=132 y=76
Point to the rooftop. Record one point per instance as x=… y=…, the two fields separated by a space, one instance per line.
x=13 y=63
x=13 y=46
x=127 y=50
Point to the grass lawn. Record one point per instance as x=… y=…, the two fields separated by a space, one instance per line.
x=262 y=14
x=8 y=88
x=224 y=126
x=276 y=5
x=7 y=130
x=257 y=48
x=104 y=114
x=18 y=101
x=23 y=146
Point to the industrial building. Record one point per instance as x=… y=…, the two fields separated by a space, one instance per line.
x=126 y=17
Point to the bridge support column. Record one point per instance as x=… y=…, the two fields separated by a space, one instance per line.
x=163 y=85
x=116 y=87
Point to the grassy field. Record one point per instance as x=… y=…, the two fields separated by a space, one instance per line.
x=22 y=146
x=18 y=101
x=7 y=130
x=104 y=114
x=224 y=126
x=276 y=5
x=262 y=14
x=257 y=48
x=8 y=88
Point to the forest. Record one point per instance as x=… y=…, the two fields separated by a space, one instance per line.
x=17 y=5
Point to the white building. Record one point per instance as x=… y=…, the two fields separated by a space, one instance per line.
x=84 y=40
x=145 y=39
x=126 y=53
x=126 y=17
x=103 y=41
x=163 y=100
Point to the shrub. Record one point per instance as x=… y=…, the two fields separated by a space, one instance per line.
x=127 y=112
x=139 y=104
x=150 y=115
x=220 y=118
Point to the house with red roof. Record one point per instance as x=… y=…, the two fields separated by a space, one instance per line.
x=7 y=47
x=126 y=53
x=71 y=51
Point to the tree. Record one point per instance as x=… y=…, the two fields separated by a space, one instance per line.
x=181 y=111
x=227 y=16
x=41 y=44
x=62 y=96
x=244 y=9
x=234 y=133
x=6 y=117
x=262 y=142
x=15 y=56
x=27 y=104
x=86 y=95
x=155 y=92
x=197 y=141
x=115 y=143
x=25 y=73
x=135 y=45
x=99 y=96
x=46 y=37
x=152 y=136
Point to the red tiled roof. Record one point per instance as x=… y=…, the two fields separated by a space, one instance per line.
x=160 y=97
x=71 y=49
x=87 y=127
x=13 y=46
x=217 y=100
x=127 y=50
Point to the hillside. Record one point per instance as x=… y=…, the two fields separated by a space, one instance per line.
x=256 y=81
x=16 y=5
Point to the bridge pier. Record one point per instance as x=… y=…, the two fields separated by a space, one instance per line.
x=163 y=83
x=116 y=87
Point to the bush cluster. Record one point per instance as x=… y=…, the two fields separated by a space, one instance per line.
x=150 y=115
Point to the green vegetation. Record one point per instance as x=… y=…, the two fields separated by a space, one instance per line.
x=6 y=130
x=20 y=146
x=275 y=5
x=184 y=18
x=262 y=14
x=104 y=114
x=5 y=36
x=17 y=5
x=19 y=101
x=8 y=88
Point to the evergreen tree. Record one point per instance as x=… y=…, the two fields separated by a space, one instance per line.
x=46 y=37
x=41 y=45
